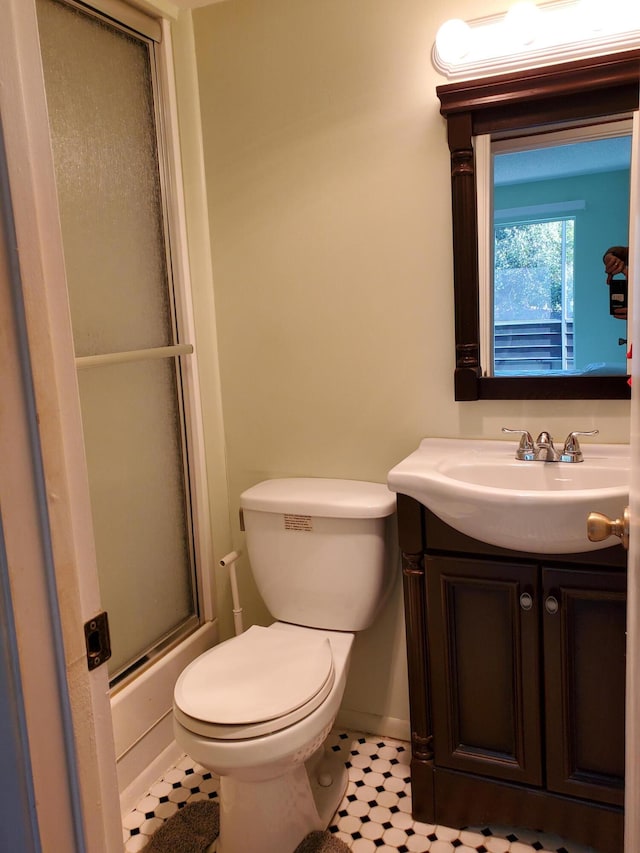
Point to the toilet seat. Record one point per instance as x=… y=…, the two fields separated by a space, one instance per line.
x=254 y=684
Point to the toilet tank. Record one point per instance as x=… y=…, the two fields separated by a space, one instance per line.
x=319 y=549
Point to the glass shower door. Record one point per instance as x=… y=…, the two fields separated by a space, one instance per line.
x=101 y=94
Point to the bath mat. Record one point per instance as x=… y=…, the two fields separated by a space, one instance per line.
x=321 y=842
x=190 y=830
x=196 y=826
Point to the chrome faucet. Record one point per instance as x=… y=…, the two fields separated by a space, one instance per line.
x=543 y=449
x=525 y=451
x=571 y=451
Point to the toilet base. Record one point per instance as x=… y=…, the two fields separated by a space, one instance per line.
x=328 y=778
x=276 y=815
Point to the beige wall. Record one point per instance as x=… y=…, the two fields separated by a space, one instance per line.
x=329 y=201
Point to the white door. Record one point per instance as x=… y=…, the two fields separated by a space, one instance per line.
x=632 y=774
x=69 y=722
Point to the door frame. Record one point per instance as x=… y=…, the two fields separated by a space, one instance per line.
x=34 y=204
x=65 y=519
x=632 y=714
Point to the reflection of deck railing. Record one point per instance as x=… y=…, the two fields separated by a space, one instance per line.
x=532 y=346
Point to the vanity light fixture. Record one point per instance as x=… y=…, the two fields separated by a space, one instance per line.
x=531 y=34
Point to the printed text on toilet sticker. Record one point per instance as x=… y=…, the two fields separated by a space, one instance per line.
x=298 y=522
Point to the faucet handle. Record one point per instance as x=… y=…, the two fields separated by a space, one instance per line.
x=572 y=451
x=525 y=447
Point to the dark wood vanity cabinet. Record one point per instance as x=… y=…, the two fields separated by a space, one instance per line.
x=517 y=682
x=484 y=662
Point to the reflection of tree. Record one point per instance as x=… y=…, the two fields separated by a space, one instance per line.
x=528 y=264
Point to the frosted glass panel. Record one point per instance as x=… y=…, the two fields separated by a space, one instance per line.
x=101 y=114
x=131 y=424
x=100 y=96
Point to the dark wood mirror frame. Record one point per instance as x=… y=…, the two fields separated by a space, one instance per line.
x=598 y=87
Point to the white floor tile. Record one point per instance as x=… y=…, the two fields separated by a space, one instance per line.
x=374 y=817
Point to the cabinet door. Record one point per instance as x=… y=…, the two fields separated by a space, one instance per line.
x=584 y=650
x=483 y=632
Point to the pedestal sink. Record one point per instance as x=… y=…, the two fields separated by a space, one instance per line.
x=480 y=489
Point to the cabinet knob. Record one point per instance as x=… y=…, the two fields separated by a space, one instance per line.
x=526 y=601
x=551 y=605
x=600 y=527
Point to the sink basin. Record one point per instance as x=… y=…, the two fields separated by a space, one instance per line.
x=480 y=489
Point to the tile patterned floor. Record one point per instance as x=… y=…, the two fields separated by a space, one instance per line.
x=374 y=817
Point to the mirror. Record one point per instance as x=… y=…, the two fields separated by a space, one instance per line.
x=588 y=93
x=557 y=201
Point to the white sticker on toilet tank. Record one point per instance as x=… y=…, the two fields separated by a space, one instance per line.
x=298 y=522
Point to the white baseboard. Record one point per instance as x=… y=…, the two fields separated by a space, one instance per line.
x=131 y=796
x=374 y=724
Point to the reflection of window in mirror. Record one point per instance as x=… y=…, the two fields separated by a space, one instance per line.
x=552 y=204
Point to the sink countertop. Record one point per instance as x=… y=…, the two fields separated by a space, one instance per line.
x=479 y=488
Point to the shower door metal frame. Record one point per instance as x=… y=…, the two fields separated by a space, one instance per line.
x=150 y=32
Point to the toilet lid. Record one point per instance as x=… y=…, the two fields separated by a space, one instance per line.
x=261 y=675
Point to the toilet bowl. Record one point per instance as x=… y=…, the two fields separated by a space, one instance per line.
x=256 y=710
x=276 y=782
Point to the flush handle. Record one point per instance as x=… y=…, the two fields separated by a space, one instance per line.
x=600 y=527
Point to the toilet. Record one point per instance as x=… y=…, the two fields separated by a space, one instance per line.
x=256 y=710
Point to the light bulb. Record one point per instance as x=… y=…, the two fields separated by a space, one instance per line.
x=522 y=22
x=453 y=40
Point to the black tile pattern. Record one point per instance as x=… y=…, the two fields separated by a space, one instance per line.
x=374 y=817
